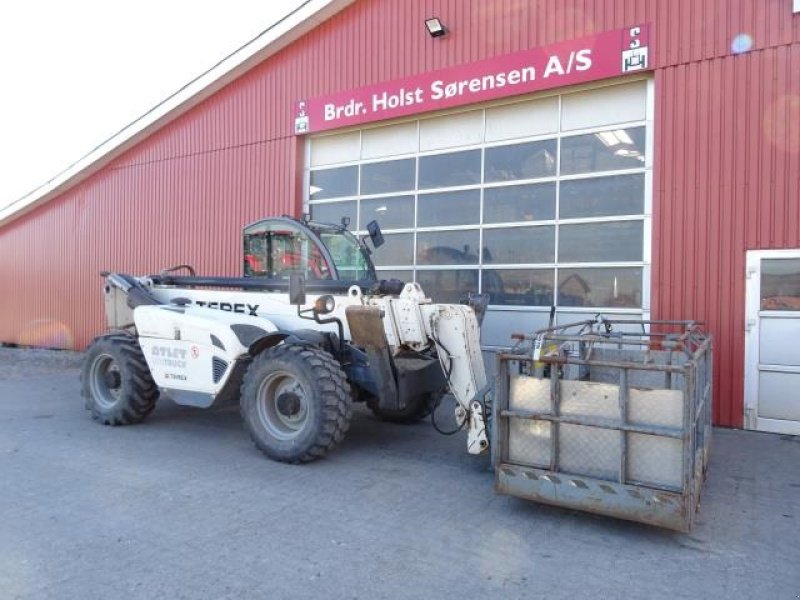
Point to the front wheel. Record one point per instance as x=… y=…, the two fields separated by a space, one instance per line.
x=295 y=403
x=116 y=382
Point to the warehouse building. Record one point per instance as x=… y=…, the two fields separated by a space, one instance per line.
x=637 y=158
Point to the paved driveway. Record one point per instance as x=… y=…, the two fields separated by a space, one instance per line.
x=183 y=506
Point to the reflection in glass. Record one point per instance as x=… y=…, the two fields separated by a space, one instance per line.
x=333 y=183
x=404 y=276
x=449 y=208
x=349 y=257
x=398 y=249
x=395 y=212
x=448 y=248
x=780 y=284
x=609 y=287
x=333 y=212
x=448 y=286
x=603 y=151
x=519 y=245
x=519 y=287
x=602 y=196
x=517 y=203
x=452 y=169
x=386 y=177
x=601 y=242
x=521 y=161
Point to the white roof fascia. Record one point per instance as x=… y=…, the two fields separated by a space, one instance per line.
x=296 y=24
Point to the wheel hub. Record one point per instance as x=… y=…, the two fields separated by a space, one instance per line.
x=289 y=404
x=282 y=405
x=105 y=381
x=113 y=380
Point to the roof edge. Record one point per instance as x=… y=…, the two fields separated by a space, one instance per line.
x=291 y=27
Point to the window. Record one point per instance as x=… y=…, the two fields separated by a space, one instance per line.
x=521 y=161
x=780 y=284
x=449 y=208
x=277 y=249
x=446 y=170
x=383 y=177
x=537 y=202
x=334 y=183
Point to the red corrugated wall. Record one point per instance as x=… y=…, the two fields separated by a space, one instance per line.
x=727 y=160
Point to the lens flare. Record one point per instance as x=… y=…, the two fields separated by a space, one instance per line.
x=777 y=119
x=742 y=43
x=46 y=333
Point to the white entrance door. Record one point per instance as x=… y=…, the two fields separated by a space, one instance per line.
x=772 y=349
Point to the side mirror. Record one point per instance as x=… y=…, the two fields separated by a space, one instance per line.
x=375 y=234
x=297 y=289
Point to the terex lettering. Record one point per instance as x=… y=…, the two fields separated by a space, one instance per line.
x=242 y=309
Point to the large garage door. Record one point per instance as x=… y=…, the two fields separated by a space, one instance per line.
x=543 y=201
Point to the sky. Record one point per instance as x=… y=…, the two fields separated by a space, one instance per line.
x=73 y=73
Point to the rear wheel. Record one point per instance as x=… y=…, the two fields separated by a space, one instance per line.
x=115 y=381
x=295 y=403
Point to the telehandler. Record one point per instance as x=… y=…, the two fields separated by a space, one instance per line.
x=308 y=330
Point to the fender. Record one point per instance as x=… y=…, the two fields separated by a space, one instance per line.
x=307 y=337
x=267 y=341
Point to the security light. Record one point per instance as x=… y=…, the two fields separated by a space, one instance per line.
x=435 y=27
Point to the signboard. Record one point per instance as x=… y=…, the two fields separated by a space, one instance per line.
x=601 y=56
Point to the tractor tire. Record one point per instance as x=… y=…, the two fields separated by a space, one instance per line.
x=295 y=403
x=417 y=409
x=115 y=381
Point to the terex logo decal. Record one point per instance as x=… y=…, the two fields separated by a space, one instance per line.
x=242 y=309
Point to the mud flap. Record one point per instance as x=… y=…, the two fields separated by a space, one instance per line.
x=366 y=329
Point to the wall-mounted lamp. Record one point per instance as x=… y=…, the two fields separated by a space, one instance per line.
x=435 y=27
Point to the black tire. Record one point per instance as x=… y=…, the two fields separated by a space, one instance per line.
x=295 y=403
x=115 y=381
x=417 y=409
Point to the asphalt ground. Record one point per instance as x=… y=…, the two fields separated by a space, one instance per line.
x=184 y=506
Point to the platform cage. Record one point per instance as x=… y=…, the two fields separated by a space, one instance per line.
x=607 y=416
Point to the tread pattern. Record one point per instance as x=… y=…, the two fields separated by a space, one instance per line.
x=139 y=391
x=333 y=393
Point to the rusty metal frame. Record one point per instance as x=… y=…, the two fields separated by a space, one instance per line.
x=664 y=506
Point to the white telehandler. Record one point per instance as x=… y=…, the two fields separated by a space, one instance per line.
x=294 y=364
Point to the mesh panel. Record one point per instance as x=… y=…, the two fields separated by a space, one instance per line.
x=589 y=451
x=655 y=407
x=655 y=460
x=529 y=442
x=590 y=399
x=529 y=393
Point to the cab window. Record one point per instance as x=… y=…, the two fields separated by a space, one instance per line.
x=276 y=250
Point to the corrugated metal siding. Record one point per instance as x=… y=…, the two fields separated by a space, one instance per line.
x=726 y=158
x=727 y=181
